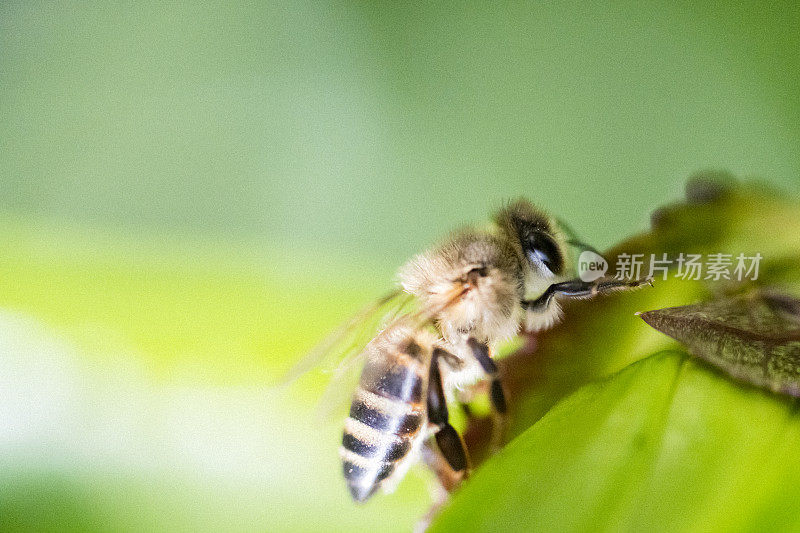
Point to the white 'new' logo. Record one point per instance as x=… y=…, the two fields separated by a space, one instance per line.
x=591 y=266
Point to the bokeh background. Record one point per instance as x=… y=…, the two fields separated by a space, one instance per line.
x=192 y=194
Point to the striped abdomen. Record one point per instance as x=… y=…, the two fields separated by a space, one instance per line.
x=386 y=416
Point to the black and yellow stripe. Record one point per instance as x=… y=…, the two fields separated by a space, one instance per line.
x=386 y=416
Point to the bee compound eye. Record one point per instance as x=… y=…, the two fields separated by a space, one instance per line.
x=541 y=248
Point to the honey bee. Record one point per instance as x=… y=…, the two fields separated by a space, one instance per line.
x=475 y=290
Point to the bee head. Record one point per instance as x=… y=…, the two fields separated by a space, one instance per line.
x=534 y=237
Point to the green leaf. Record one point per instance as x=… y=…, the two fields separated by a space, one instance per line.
x=667 y=443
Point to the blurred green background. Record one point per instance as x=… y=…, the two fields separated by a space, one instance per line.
x=192 y=194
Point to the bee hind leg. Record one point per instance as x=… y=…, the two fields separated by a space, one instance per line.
x=447 y=438
x=448 y=458
x=447 y=480
x=497 y=396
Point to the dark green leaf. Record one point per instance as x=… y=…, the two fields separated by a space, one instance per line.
x=754 y=337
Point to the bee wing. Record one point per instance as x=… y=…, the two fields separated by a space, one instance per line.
x=341 y=354
x=404 y=323
x=346 y=341
x=399 y=334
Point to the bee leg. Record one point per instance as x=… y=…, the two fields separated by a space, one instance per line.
x=497 y=396
x=439 y=457
x=447 y=438
x=447 y=480
x=577 y=288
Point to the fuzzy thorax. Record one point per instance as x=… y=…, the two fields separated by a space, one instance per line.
x=484 y=270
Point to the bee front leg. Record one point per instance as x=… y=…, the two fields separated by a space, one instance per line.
x=497 y=396
x=447 y=438
x=577 y=288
